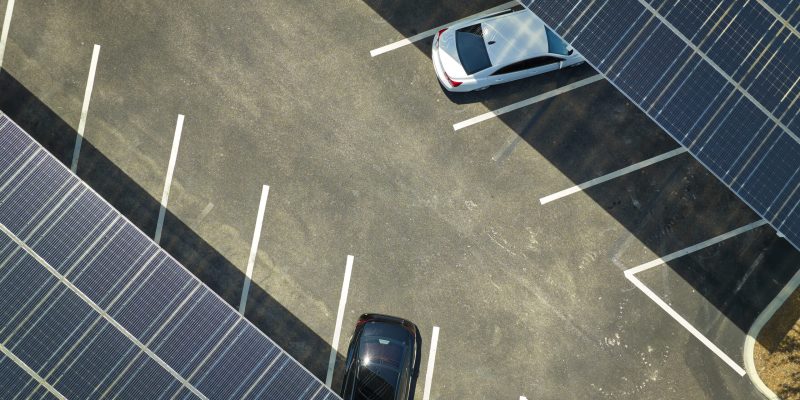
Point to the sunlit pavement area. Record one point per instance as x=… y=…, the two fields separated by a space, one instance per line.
x=446 y=227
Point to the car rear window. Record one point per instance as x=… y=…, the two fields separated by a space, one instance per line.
x=382 y=360
x=555 y=43
x=471 y=49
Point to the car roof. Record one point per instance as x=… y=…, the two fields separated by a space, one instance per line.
x=518 y=36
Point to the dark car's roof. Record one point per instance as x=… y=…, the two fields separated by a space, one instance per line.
x=386 y=347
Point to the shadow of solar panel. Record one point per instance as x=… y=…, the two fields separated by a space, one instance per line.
x=163 y=330
x=733 y=104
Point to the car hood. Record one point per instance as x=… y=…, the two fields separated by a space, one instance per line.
x=448 y=55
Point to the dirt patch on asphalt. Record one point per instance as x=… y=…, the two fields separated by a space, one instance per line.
x=777 y=351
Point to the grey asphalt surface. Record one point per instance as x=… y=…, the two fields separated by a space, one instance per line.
x=361 y=158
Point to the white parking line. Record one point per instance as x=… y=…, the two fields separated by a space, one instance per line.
x=615 y=174
x=629 y=274
x=6 y=26
x=251 y=260
x=87 y=96
x=696 y=247
x=716 y=350
x=426 y=394
x=431 y=32
x=339 y=316
x=525 y=103
x=173 y=156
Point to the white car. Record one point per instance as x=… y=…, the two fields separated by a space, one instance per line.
x=498 y=48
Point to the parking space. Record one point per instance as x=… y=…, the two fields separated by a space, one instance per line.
x=448 y=228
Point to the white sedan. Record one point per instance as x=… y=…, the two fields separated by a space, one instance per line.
x=498 y=48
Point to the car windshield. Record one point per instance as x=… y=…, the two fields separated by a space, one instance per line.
x=471 y=49
x=382 y=359
x=556 y=44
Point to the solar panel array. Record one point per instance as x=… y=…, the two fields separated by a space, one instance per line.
x=90 y=307
x=722 y=77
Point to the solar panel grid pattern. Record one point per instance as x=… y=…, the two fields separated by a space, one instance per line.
x=127 y=321
x=721 y=77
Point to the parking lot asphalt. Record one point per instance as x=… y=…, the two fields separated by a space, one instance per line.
x=446 y=227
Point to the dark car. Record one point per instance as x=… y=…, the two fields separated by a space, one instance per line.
x=382 y=360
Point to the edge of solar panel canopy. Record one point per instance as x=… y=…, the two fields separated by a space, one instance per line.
x=168 y=255
x=792 y=240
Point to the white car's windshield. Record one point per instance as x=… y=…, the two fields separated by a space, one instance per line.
x=556 y=44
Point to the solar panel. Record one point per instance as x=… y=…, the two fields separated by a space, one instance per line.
x=722 y=77
x=92 y=308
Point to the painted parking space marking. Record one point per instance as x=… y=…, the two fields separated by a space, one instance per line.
x=6 y=26
x=613 y=175
x=431 y=32
x=527 y=102
x=87 y=96
x=426 y=394
x=251 y=260
x=173 y=156
x=629 y=274
x=339 y=317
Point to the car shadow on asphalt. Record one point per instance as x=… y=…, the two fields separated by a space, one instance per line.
x=596 y=130
x=197 y=255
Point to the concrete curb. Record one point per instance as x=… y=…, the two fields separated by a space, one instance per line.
x=755 y=329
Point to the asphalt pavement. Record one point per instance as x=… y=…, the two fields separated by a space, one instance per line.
x=445 y=226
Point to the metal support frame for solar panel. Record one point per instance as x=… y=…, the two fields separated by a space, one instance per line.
x=92 y=308
x=721 y=77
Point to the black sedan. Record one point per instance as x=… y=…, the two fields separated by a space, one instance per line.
x=382 y=360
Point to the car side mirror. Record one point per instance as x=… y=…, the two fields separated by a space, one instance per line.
x=570 y=51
